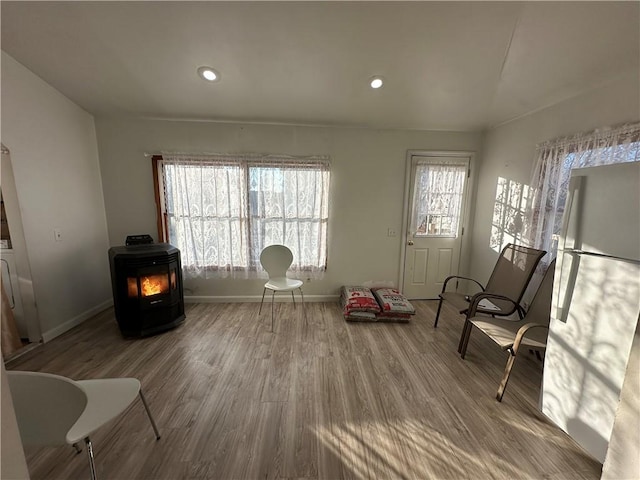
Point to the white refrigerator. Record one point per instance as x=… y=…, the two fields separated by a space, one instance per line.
x=596 y=303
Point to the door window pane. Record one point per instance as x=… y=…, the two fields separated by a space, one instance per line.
x=437 y=200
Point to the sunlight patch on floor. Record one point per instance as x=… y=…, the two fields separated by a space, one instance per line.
x=407 y=449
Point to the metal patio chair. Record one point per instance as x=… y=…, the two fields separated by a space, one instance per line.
x=507 y=284
x=512 y=335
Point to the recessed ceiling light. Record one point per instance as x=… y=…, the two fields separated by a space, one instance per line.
x=208 y=74
x=376 y=82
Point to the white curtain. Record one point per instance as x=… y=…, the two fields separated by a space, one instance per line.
x=207 y=217
x=437 y=198
x=552 y=171
x=222 y=210
x=289 y=206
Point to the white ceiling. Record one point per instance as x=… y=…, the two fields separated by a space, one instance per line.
x=448 y=65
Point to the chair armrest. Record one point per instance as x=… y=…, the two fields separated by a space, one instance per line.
x=451 y=277
x=478 y=297
x=522 y=332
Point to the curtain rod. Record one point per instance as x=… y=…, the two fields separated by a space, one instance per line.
x=592 y=135
x=255 y=155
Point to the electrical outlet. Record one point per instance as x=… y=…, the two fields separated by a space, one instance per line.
x=391 y=232
x=57 y=234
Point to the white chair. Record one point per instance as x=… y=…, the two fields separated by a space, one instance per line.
x=52 y=410
x=276 y=260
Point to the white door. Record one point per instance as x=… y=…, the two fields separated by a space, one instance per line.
x=434 y=231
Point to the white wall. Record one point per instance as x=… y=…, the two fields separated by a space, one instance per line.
x=509 y=150
x=366 y=197
x=57 y=176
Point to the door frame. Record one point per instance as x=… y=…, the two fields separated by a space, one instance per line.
x=19 y=244
x=466 y=207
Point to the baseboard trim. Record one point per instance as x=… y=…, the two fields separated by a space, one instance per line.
x=257 y=298
x=30 y=347
x=75 y=321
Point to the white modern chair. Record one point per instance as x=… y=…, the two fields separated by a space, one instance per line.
x=52 y=410
x=276 y=260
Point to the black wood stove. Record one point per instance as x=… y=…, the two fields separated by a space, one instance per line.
x=146 y=280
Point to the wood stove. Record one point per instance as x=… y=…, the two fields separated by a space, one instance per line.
x=147 y=288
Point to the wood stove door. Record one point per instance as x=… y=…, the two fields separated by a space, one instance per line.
x=151 y=286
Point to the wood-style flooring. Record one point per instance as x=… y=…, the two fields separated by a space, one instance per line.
x=319 y=398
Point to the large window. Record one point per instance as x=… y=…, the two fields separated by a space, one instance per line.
x=221 y=211
x=552 y=171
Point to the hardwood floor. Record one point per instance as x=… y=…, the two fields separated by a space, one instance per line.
x=320 y=398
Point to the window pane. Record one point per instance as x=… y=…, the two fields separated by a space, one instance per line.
x=438 y=191
x=205 y=212
x=288 y=206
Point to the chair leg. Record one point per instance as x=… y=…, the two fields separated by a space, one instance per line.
x=262 y=301
x=294 y=299
x=464 y=339
x=146 y=407
x=462 y=336
x=77 y=447
x=92 y=464
x=435 y=324
x=302 y=295
x=505 y=377
x=272 y=300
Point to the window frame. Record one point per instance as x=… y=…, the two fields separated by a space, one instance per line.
x=247 y=161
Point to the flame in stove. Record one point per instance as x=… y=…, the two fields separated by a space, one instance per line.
x=150 y=285
x=153 y=285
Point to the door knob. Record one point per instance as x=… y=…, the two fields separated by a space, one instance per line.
x=410 y=242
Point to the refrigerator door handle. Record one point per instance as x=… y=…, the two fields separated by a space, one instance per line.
x=566 y=262
x=572 y=213
x=567 y=266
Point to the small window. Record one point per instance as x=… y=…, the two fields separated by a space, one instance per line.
x=437 y=200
